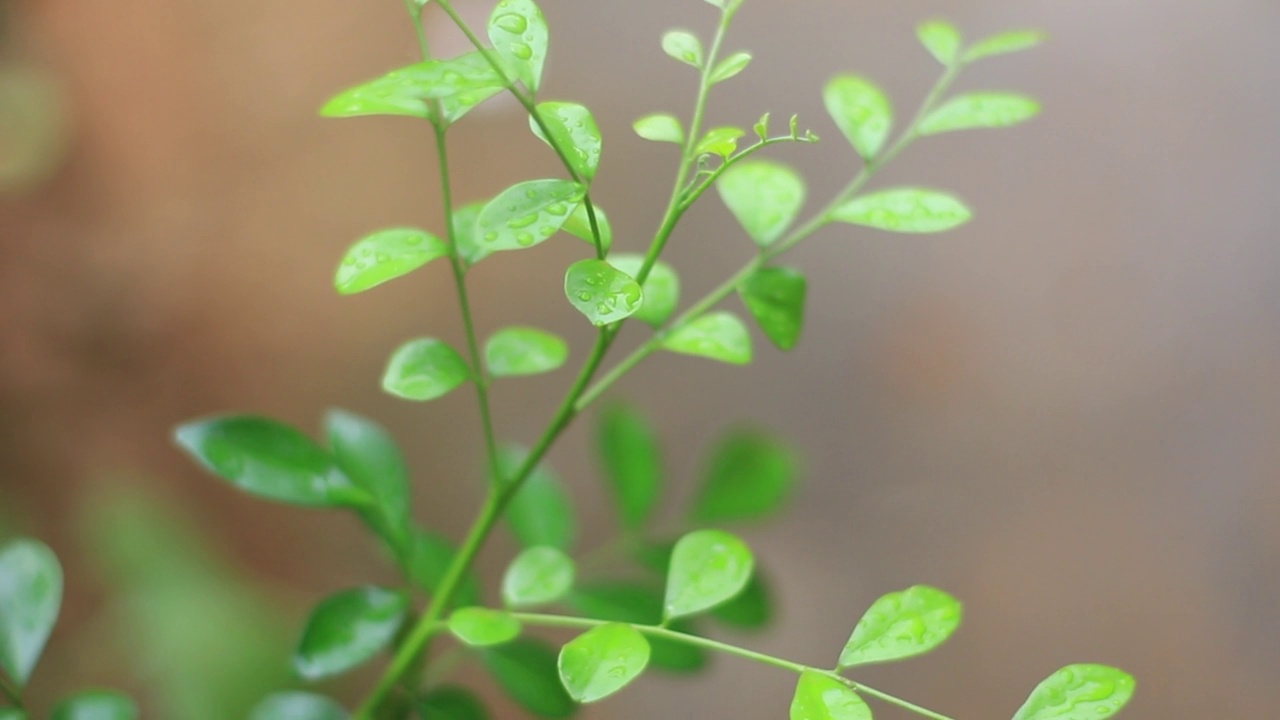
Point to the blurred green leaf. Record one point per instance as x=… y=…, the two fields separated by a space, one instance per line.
x=386 y=255
x=573 y=129
x=660 y=127
x=905 y=210
x=429 y=558
x=980 y=110
x=683 y=46
x=451 y=702
x=483 y=627
x=751 y=475
x=347 y=629
x=941 y=39
x=526 y=670
x=820 y=697
x=717 y=335
x=579 y=225
x=298 y=706
x=537 y=576
x=1079 y=692
x=602 y=661
x=722 y=141
x=424 y=369
x=526 y=214
x=30 y=598
x=601 y=292
x=369 y=456
x=96 y=705
x=751 y=609
x=862 y=112
x=1008 y=42
x=519 y=350
x=765 y=196
x=661 y=290
x=775 y=297
x=464 y=233
x=519 y=33
x=12 y=714
x=729 y=67
x=540 y=513
x=708 y=567
x=631 y=458
x=629 y=602
x=902 y=624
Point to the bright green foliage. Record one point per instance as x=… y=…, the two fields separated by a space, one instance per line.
x=368 y=455
x=822 y=697
x=579 y=225
x=640 y=604
x=1079 y=692
x=574 y=130
x=540 y=512
x=269 y=459
x=631 y=459
x=941 y=39
x=750 y=476
x=661 y=290
x=537 y=576
x=602 y=661
x=12 y=714
x=428 y=560
x=902 y=624
x=601 y=292
x=752 y=609
x=386 y=255
x=519 y=34
x=482 y=627
x=905 y=210
x=660 y=127
x=708 y=567
x=298 y=706
x=96 y=705
x=425 y=369
x=775 y=297
x=722 y=141
x=765 y=196
x=862 y=112
x=1008 y=42
x=451 y=702
x=459 y=85
x=718 y=336
x=464 y=233
x=347 y=629
x=980 y=110
x=683 y=46
x=730 y=67
x=30 y=598
x=526 y=670
x=526 y=214
x=524 y=351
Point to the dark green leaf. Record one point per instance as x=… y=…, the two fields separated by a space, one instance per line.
x=752 y=609
x=482 y=627
x=540 y=513
x=640 y=604
x=348 y=629
x=537 y=576
x=1008 y=42
x=661 y=289
x=298 y=706
x=424 y=369
x=451 y=702
x=980 y=110
x=429 y=558
x=718 y=336
x=750 y=475
x=30 y=598
x=386 y=255
x=464 y=233
x=524 y=351
x=765 y=196
x=683 y=46
x=270 y=460
x=941 y=39
x=862 y=112
x=519 y=33
x=96 y=705
x=660 y=127
x=573 y=129
x=708 y=567
x=902 y=624
x=821 y=697
x=601 y=292
x=1079 y=692
x=905 y=210
x=730 y=66
x=631 y=459
x=526 y=670
x=458 y=84
x=368 y=455
x=12 y=714
x=579 y=225
x=526 y=214
x=722 y=141
x=602 y=661
x=775 y=297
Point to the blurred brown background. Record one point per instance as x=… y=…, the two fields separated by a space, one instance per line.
x=1065 y=413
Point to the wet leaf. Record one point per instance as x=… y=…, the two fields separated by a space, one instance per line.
x=820 y=697
x=683 y=46
x=574 y=131
x=526 y=214
x=519 y=34
x=601 y=292
x=718 y=336
x=905 y=210
x=30 y=599
x=862 y=112
x=537 y=576
x=458 y=84
x=775 y=297
x=602 y=661
x=661 y=290
x=464 y=233
x=386 y=255
x=980 y=110
x=1079 y=692
x=765 y=196
x=347 y=629
x=524 y=351
x=901 y=625
x=708 y=567
x=424 y=369
x=483 y=627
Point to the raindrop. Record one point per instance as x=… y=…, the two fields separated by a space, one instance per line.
x=524 y=238
x=512 y=23
x=522 y=51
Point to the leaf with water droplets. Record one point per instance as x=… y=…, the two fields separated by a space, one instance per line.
x=573 y=129
x=540 y=513
x=269 y=459
x=1008 y=42
x=775 y=297
x=722 y=141
x=629 y=602
x=537 y=576
x=660 y=127
x=765 y=196
x=386 y=255
x=483 y=627
x=96 y=705
x=526 y=670
x=683 y=46
x=905 y=210
x=941 y=39
x=822 y=697
x=751 y=475
x=297 y=705
x=980 y=110
x=901 y=625
x=424 y=369
x=718 y=336
x=631 y=458
x=661 y=289
x=526 y=214
x=601 y=292
x=729 y=67
x=30 y=598
x=862 y=112
x=524 y=351
x=602 y=661
x=708 y=567
x=518 y=31
x=347 y=629
x=368 y=455
x=452 y=702
x=458 y=84
x=1079 y=692
x=579 y=225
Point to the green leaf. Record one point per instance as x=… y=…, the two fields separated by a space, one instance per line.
x=1079 y=692
x=752 y=609
x=526 y=670
x=458 y=84
x=482 y=627
x=526 y=214
x=751 y=475
x=347 y=629
x=708 y=567
x=722 y=141
x=601 y=292
x=386 y=255
x=821 y=697
x=540 y=513
x=12 y=714
x=640 y=604
x=902 y=624
x=574 y=131
x=862 y=112
x=775 y=297
x=980 y=110
x=941 y=39
x=905 y=210
x=761 y=127
x=368 y=455
x=429 y=558
x=660 y=127
x=96 y=705
x=537 y=576
x=524 y=351
x=269 y=459
x=30 y=598
x=424 y=369
x=683 y=46
x=631 y=458
x=464 y=233
x=1008 y=42
x=602 y=661
x=579 y=226
x=730 y=66
x=661 y=290
x=451 y=702
x=519 y=33
x=718 y=335
x=765 y=196
x=297 y=706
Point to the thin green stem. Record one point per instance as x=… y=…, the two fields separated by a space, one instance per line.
x=894 y=700
x=12 y=692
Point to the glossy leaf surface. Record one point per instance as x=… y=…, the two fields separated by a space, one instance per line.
x=519 y=34
x=297 y=706
x=526 y=670
x=718 y=336
x=96 y=705
x=640 y=604
x=459 y=84
x=765 y=196
x=579 y=225
x=980 y=110
x=602 y=661
x=386 y=255
x=905 y=210
x=751 y=475
x=424 y=369
x=1008 y=42
x=941 y=39
x=775 y=297
x=347 y=629
x=526 y=214
x=708 y=567
x=452 y=702
x=661 y=290
x=524 y=351
x=368 y=455
x=862 y=112
x=30 y=598
x=601 y=292
x=683 y=46
x=1079 y=692
x=820 y=697
x=537 y=576
x=483 y=627
x=631 y=458
x=660 y=127
x=540 y=513
x=730 y=66
x=573 y=129
x=902 y=624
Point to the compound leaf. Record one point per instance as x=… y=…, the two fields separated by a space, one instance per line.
x=730 y=67
x=579 y=225
x=459 y=84
x=1008 y=42
x=722 y=141
x=635 y=603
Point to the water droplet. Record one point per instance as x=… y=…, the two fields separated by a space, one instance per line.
x=603 y=308
x=512 y=23
x=557 y=208
x=530 y=193
x=584 y=296
x=524 y=238
x=349 y=261
x=522 y=51
x=490 y=236
x=413 y=240
x=547 y=231
x=383 y=257
x=522 y=222
x=366 y=252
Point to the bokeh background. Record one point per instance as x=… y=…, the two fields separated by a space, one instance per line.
x=1066 y=412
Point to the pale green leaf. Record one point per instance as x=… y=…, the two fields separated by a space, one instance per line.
x=573 y=129
x=730 y=66
x=458 y=84
x=464 y=233
x=602 y=661
x=1079 y=692
x=862 y=112
x=941 y=39
x=601 y=292
x=521 y=350
x=661 y=289
x=526 y=214
x=905 y=210
x=775 y=297
x=765 y=196
x=980 y=110
x=660 y=127
x=518 y=31
x=822 y=697
x=483 y=627
x=722 y=141
x=386 y=255
x=30 y=599
x=1008 y=42
x=537 y=576
x=718 y=336
x=708 y=567
x=424 y=369
x=641 y=604
x=901 y=625
x=683 y=46
x=579 y=225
